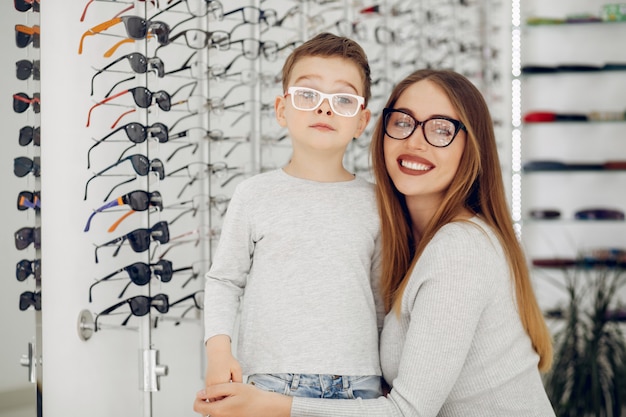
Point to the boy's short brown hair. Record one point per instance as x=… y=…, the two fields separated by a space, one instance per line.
x=329 y=45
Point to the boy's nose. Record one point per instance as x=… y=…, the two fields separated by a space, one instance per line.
x=324 y=107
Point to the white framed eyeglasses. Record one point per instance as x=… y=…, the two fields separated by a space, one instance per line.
x=308 y=99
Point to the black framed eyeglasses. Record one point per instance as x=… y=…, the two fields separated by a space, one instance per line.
x=24 y=68
x=30 y=298
x=26 y=268
x=23 y=165
x=139 y=239
x=198 y=303
x=201 y=39
x=438 y=131
x=141 y=164
x=30 y=134
x=28 y=199
x=140 y=274
x=139 y=306
x=27 y=235
x=138 y=200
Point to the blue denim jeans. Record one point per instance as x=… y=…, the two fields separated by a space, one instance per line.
x=319 y=386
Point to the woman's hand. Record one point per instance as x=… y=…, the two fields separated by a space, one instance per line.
x=241 y=400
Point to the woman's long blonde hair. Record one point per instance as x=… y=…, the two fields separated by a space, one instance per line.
x=477 y=186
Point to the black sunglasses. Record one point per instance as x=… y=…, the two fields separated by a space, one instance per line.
x=30 y=298
x=141 y=164
x=140 y=274
x=138 y=133
x=139 y=239
x=139 y=63
x=23 y=165
x=21 y=102
x=26 y=5
x=27 y=235
x=139 y=306
x=28 y=199
x=26 y=268
x=138 y=200
x=24 y=35
x=30 y=134
x=25 y=68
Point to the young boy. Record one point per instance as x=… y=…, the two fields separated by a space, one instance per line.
x=302 y=241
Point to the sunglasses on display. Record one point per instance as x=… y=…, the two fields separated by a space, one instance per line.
x=28 y=199
x=21 y=102
x=30 y=134
x=142 y=97
x=25 y=35
x=438 y=131
x=140 y=274
x=136 y=28
x=139 y=239
x=23 y=165
x=140 y=163
x=136 y=133
x=30 y=298
x=24 y=68
x=342 y=104
x=139 y=63
x=198 y=269
x=26 y=268
x=139 y=306
x=27 y=235
x=138 y=200
x=26 y=5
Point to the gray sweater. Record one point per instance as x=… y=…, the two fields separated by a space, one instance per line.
x=458 y=347
x=305 y=254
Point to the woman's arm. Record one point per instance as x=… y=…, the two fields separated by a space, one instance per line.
x=241 y=400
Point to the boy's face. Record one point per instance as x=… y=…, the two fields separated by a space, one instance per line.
x=321 y=128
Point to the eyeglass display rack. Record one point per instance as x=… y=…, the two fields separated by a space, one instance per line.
x=220 y=130
x=22 y=148
x=567 y=149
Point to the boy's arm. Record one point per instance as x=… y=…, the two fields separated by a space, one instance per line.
x=375 y=277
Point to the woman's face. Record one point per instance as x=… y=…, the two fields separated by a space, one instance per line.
x=420 y=171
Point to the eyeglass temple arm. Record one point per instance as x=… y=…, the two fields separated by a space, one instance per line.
x=108 y=311
x=97 y=29
x=120 y=220
x=104 y=279
x=106 y=100
x=103 y=69
x=114 y=203
x=115 y=187
x=98 y=142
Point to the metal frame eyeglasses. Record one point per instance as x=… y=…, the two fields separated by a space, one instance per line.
x=342 y=104
x=438 y=131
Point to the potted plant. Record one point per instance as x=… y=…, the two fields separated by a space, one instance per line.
x=588 y=377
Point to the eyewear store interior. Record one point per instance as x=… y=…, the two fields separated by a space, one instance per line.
x=127 y=142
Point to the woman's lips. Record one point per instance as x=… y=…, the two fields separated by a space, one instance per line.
x=414 y=166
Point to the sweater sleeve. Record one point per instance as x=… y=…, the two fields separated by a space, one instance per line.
x=226 y=278
x=441 y=308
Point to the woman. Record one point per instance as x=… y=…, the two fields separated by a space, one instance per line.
x=464 y=335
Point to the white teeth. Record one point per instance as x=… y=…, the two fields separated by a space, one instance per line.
x=414 y=166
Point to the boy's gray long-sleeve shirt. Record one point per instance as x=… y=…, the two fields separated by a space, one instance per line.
x=306 y=254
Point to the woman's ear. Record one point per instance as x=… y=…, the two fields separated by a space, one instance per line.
x=364 y=119
x=279 y=110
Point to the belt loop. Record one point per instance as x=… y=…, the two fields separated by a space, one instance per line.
x=346 y=382
x=295 y=382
